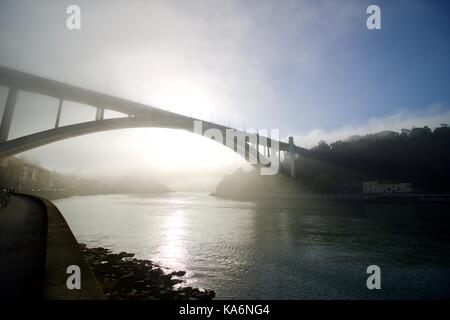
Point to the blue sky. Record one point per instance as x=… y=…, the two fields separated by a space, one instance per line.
x=295 y=65
x=309 y=68
x=369 y=74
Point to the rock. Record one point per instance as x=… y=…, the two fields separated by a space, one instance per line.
x=187 y=289
x=125 y=255
x=175 y=281
x=125 y=277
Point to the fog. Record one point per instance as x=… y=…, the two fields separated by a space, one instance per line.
x=178 y=159
x=308 y=68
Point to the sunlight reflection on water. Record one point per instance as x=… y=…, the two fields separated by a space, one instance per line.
x=273 y=250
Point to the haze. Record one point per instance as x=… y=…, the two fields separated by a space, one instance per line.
x=310 y=68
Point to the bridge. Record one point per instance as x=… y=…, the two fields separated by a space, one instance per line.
x=259 y=150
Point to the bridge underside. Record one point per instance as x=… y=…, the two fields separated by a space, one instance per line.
x=42 y=138
x=139 y=116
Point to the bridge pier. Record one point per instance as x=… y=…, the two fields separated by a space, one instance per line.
x=246 y=147
x=8 y=114
x=257 y=147
x=58 y=115
x=100 y=114
x=291 y=154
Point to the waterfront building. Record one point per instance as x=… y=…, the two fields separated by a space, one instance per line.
x=386 y=187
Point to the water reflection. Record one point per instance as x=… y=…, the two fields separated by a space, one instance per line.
x=173 y=249
x=276 y=250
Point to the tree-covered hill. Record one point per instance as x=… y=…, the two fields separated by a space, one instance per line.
x=420 y=156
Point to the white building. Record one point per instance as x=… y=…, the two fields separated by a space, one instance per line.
x=386 y=187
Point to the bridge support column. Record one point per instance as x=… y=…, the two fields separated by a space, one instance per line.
x=246 y=147
x=257 y=147
x=58 y=115
x=8 y=114
x=291 y=152
x=100 y=114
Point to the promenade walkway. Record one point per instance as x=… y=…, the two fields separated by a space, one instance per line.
x=23 y=229
x=36 y=247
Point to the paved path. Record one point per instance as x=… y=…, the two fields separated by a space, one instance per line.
x=23 y=228
x=36 y=247
x=63 y=250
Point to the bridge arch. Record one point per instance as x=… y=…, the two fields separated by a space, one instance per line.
x=31 y=141
x=140 y=116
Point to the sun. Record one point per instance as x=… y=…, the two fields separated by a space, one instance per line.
x=185 y=96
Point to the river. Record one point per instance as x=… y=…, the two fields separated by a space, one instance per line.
x=275 y=250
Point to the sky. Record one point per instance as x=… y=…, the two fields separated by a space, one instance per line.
x=311 y=69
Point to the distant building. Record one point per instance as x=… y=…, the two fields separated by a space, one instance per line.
x=22 y=176
x=386 y=187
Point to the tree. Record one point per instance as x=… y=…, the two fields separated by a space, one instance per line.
x=322 y=147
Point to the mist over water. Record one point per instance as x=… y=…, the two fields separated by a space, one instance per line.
x=277 y=250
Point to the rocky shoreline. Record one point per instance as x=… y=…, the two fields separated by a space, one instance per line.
x=124 y=277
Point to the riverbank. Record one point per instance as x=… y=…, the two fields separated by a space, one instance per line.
x=124 y=277
x=250 y=186
x=336 y=197
x=57 y=195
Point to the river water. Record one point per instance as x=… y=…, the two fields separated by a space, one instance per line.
x=275 y=250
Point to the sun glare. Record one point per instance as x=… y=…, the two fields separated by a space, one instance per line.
x=167 y=148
